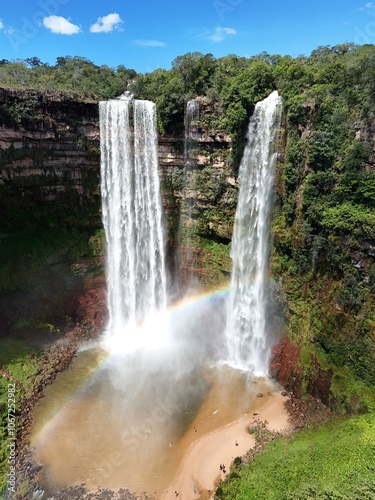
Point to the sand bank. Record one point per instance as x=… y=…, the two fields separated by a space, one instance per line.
x=200 y=469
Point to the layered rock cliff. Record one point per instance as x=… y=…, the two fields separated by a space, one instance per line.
x=50 y=197
x=48 y=158
x=51 y=236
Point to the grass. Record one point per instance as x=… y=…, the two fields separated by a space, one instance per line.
x=336 y=461
x=215 y=261
x=20 y=365
x=25 y=254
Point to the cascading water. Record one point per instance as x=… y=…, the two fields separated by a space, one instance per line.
x=132 y=213
x=188 y=202
x=190 y=154
x=191 y=132
x=247 y=342
x=154 y=400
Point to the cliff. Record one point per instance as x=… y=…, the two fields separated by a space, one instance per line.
x=50 y=203
x=323 y=236
x=48 y=159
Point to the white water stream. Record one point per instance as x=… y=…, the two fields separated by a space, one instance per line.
x=132 y=212
x=248 y=343
x=126 y=413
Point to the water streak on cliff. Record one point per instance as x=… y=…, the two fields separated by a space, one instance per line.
x=186 y=257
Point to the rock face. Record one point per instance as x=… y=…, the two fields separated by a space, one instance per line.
x=50 y=180
x=49 y=175
x=48 y=154
x=286 y=367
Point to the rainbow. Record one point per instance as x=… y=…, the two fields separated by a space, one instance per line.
x=107 y=353
x=190 y=301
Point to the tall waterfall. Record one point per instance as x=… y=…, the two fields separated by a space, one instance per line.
x=190 y=153
x=247 y=342
x=191 y=132
x=186 y=257
x=132 y=212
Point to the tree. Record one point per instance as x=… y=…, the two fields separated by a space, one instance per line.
x=184 y=65
x=34 y=62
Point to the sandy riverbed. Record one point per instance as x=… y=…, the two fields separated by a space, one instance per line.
x=200 y=469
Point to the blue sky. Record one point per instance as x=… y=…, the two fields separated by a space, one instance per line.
x=148 y=34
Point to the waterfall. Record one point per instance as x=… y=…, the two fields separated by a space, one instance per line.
x=132 y=212
x=190 y=155
x=247 y=342
x=186 y=257
x=191 y=132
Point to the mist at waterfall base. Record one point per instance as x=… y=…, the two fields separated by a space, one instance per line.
x=123 y=413
x=147 y=342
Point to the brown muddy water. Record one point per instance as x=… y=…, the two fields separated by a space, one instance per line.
x=109 y=422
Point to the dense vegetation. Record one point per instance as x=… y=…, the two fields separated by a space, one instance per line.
x=323 y=222
x=69 y=74
x=19 y=365
x=331 y=462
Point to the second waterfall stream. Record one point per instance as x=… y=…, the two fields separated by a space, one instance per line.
x=247 y=339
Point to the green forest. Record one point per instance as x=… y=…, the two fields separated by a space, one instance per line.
x=323 y=220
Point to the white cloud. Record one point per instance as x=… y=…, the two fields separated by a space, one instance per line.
x=106 y=24
x=8 y=30
x=221 y=34
x=368 y=6
x=150 y=43
x=60 y=25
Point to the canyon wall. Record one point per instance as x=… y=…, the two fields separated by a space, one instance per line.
x=51 y=238
x=50 y=198
x=49 y=158
x=49 y=150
